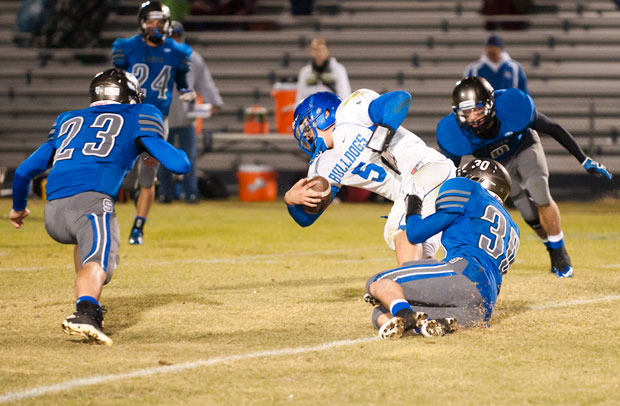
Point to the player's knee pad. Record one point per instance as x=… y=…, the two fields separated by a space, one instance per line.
x=146 y=176
x=538 y=189
x=526 y=206
x=535 y=224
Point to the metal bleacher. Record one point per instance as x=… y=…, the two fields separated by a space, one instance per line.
x=570 y=52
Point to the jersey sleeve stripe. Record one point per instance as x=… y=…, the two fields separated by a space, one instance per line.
x=156 y=124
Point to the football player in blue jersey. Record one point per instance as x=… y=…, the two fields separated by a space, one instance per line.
x=481 y=240
x=158 y=62
x=499 y=125
x=89 y=152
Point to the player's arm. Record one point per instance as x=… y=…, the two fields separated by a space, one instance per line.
x=421 y=229
x=38 y=162
x=300 y=195
x=119 y=59
x=175 y=160
x=560 y=134
x=523 y=80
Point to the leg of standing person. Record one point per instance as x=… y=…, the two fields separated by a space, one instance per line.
x=87 y=220
x=146 y=180
x=187 y=143
x=531 y=195
x=166 y=180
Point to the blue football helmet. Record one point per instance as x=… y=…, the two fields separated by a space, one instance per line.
x=315 y=111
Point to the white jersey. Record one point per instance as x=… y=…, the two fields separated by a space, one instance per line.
x=350 y=163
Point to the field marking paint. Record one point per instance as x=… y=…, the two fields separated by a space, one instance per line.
x=141 y=373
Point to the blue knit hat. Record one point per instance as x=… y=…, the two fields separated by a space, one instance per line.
x=495 y=40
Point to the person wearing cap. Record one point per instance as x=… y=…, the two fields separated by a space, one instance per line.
x=181 y=120
x=323 y=74
x=497 y=67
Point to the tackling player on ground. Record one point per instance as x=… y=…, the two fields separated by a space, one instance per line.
x=497 y=124
x=89 y=152
x=360 y=142
x=158 y=62
x=481 y=241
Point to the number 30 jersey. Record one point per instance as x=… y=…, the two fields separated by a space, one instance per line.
x=483 y=230
x=350 y=163
x=154 y=67
x=96 y=147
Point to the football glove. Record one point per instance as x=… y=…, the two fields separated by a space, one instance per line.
x=413 y=200
x=187 y=95
x=595 y=168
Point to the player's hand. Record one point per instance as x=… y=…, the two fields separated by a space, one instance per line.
x=414 y=199
x=150 y=161
x=301 y=193
x=595 y=168
x=187 y=95
x=17 y=217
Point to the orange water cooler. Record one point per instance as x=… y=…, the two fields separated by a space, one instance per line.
x=257 y=183
x=284 y=95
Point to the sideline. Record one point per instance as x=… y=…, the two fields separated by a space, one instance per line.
x=140 y=373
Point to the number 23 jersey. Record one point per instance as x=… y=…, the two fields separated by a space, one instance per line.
x=96 y=147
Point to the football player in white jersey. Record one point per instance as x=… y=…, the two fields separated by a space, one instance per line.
x=359 y=142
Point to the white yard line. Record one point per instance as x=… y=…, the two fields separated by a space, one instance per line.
x=140 y=373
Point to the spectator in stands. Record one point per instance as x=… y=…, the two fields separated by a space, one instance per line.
x=182 y=127
x=323 y=74
x=496 y=66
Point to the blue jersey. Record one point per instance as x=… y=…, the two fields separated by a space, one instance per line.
x=482 y=232
x=96 y=147
x=154 y=67
x=516 y=113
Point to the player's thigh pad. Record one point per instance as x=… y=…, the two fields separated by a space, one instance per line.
x=439 y=289
x=430 y=176
x=88 y=220
x=532 y=166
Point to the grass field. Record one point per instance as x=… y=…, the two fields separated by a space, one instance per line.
x=232 y=303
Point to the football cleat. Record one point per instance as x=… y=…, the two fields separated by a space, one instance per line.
x=438 y=327
x=397 y=326
x=371 y=300
x=566 y=272
x=393 y=329
x=88 y=325
x=135 y=238
x=561 y=264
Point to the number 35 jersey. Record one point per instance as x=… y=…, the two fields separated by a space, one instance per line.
x=484 y=230
x=350 y=163
x=154 y=67
x=96 y=147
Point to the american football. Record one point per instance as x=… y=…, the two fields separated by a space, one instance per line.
x=322 y=186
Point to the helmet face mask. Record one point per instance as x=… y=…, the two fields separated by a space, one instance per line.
x=490 y=174
x=315 y=112
x=154 y=21
x=115 y=85
x=471 y=96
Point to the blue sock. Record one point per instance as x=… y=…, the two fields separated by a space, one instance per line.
x=88 y=299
